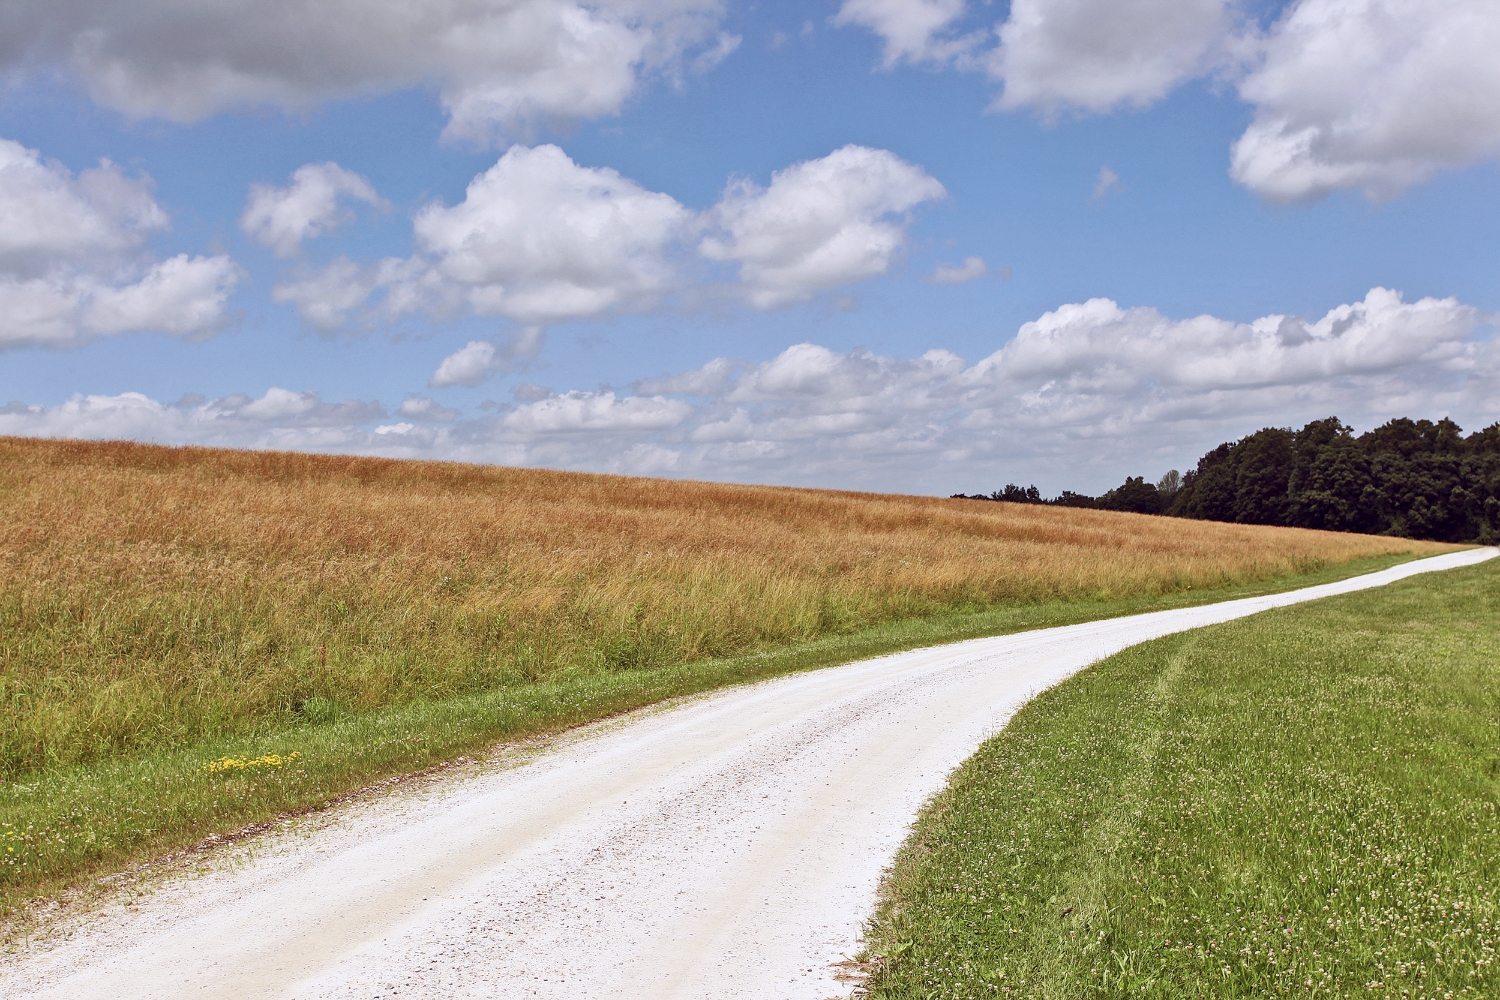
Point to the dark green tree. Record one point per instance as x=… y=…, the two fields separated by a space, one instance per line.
x=1135 y=496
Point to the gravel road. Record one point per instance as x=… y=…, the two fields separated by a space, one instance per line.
x=728 y=846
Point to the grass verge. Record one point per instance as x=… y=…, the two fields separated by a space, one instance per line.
x=63 y=825
x=1304 y=803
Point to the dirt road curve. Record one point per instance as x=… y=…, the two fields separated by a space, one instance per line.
x=727 y=847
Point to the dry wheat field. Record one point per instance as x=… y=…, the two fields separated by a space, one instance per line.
x=152 y=597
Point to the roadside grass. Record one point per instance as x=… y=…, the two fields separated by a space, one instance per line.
x=162 y=609
x=1305 y=802
x=63 y=825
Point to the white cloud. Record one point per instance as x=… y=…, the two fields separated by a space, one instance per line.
x=73 y=262
x=469 y=366
x=1096 y=55
x=949 y=274
x=1362 y=95
x=539 y=239
x=1108 y=181
x=500 y=65
x=479 y=359
x=821 y=224
x=596 y=412
x=723 y=47
x=326 y=297
x=1096 y=343
x=709 y=380
x=1055 y=56
x=1079 y=398
x=283 y=217
x=1370 y=95
x=278 y=419
x=49 y=217
x=911 y=29
x=426 y=409
x=284 y=407
x=185 y=296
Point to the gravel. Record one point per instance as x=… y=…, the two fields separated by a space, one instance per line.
x=726 y=846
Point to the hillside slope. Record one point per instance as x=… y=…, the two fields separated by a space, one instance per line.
x=162 y=607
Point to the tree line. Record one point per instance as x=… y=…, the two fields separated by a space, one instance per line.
x=1412 y=478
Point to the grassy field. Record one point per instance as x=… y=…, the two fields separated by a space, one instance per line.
x=1303 y=803
x=175 y=624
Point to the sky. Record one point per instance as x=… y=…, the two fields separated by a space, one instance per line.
x=917 y=246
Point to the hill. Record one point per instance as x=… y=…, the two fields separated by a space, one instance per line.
x=194 y=604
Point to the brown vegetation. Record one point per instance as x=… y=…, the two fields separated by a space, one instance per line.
x=155 y=596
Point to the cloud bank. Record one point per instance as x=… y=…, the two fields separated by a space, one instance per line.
x=1078 y=398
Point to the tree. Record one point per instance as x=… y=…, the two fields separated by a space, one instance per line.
x=1067 y=498
x=1015 y=494
x=1263 y=469
x=1135 y=496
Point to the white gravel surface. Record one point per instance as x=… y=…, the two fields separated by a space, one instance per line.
x=730 y=846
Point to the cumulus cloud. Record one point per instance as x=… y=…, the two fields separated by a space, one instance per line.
x=595 y=412
x=283 y=217
x=1092 y=344
x=73 y=261
x=1370 y=95
x=500 y=65
x=539 y=239
x=821 y=224
x=1347 y=94
x=957 y=274
x=326 y=298
x=182 y=295
x=479 y=359
x=709 y=380
x=912 y=30
x=470 y=365
x=1096 y=55
x=1055 y=56
x=1077 y=399
x=426 y=409
x=48 y=216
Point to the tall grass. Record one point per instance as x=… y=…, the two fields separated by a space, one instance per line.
x=156 y=597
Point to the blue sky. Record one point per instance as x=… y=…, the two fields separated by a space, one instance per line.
x=909 y=245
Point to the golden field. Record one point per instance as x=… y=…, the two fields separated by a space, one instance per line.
x=152 y=597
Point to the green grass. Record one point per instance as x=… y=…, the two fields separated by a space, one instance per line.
x=63 y=825
x=1300 y=803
